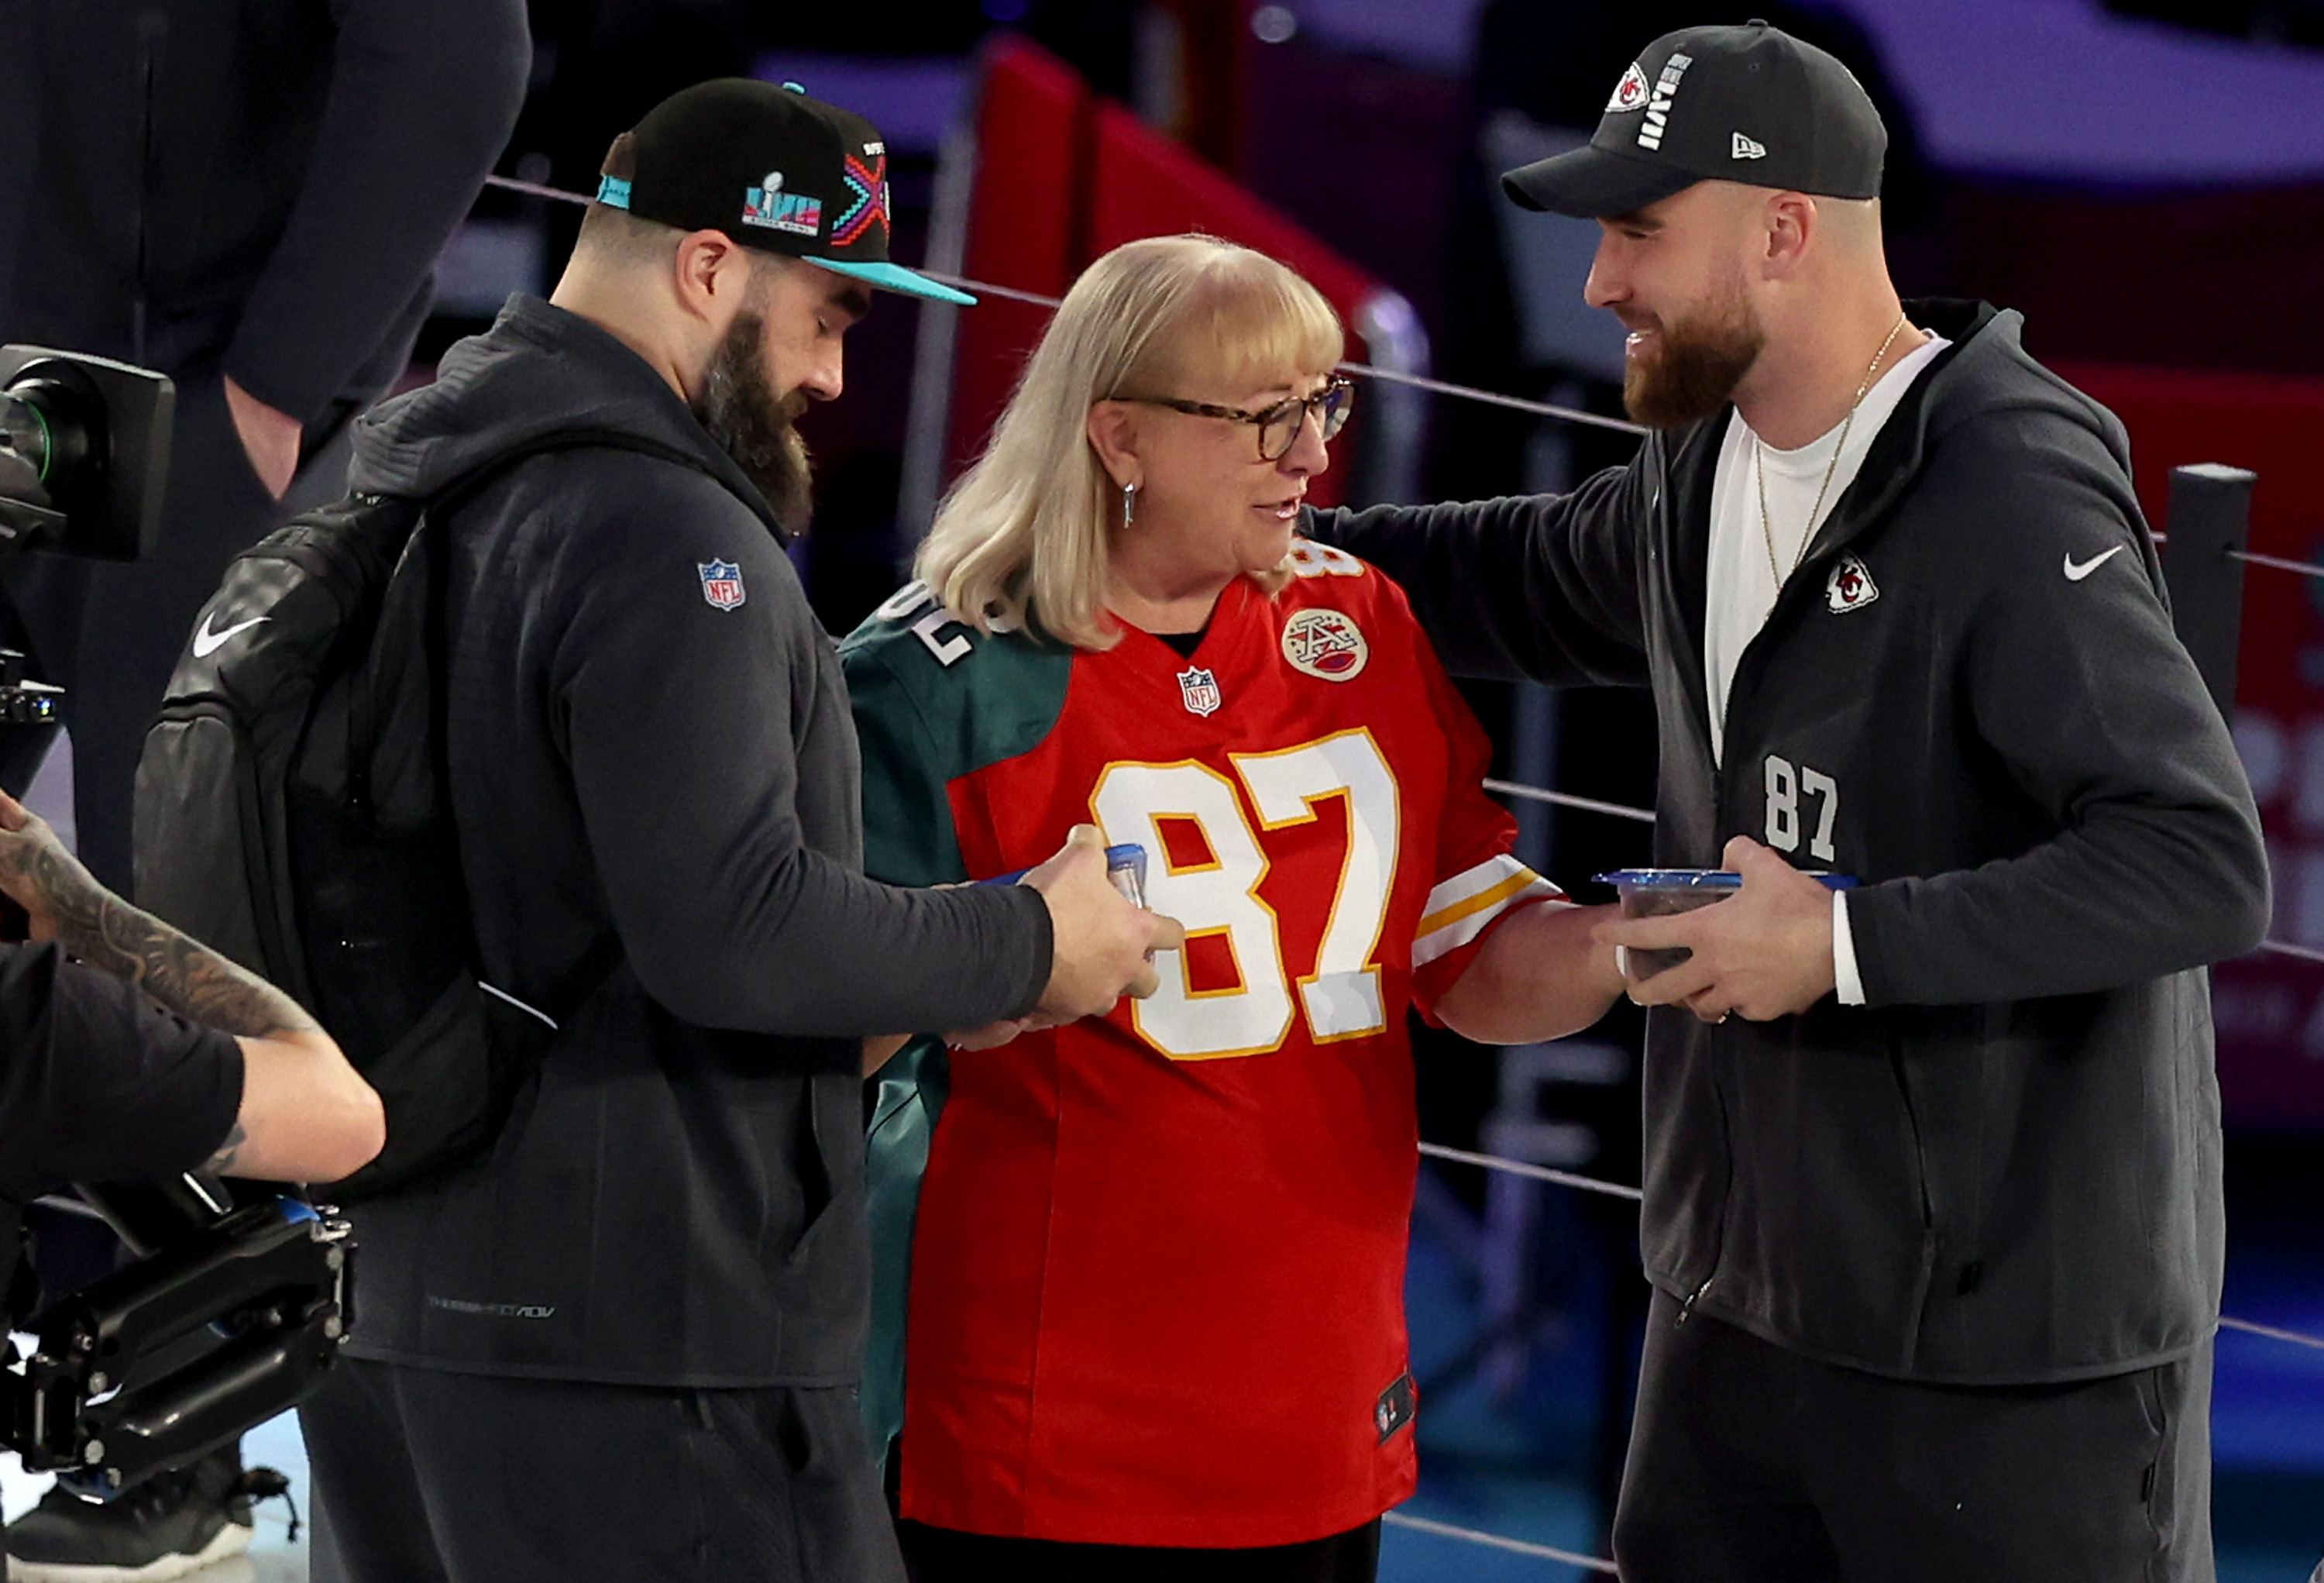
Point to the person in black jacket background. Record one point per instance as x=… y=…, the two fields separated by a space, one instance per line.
x=1932 y=1170
x=248 y=196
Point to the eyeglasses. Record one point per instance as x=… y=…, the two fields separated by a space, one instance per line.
x=1278 y=425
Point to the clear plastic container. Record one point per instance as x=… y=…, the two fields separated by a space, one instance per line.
x=1658 y=893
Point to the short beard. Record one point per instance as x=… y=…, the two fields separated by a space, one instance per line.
x=753 y=425
x=1701 y=359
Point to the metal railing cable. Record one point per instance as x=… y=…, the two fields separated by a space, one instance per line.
x=1588 y=1184
x=1496 y=399
x=1645 y=816
x=2272 y=1332
x=535 y=189
x=2277 y=562
x=1037 y=300
x=1548 y=1552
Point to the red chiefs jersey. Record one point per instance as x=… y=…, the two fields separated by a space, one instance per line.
x=1156 y=1290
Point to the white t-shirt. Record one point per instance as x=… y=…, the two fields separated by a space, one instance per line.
x=1741 y=586
x=1740 y=583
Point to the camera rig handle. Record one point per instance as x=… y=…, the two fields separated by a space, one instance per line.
x=107 y=1398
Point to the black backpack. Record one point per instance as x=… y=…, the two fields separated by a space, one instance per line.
x=290 y=814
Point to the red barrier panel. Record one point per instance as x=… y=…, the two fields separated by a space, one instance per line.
x=2270 y=1009
x=1148 y=186
x=1061 y=176
x=1033 y=112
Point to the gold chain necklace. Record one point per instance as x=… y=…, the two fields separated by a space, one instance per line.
x=1759 y=468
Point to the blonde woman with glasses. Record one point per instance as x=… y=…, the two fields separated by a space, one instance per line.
x=1156 y=1263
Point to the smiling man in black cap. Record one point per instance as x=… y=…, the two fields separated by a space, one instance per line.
x=622 y=1345
x=1932 y=1196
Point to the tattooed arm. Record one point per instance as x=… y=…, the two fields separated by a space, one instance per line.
x=306 y=1114
x=69 y=906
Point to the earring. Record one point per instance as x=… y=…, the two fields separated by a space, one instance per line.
x=1129 y=504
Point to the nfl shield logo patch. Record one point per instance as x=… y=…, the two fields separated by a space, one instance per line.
x=721 y=584
x=1200 y=689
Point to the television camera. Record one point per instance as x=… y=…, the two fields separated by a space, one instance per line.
x=84 y=458
x=225 y=1314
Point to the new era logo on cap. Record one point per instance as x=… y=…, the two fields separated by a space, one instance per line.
x=1745 y=148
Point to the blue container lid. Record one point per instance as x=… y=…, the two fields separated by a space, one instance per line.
x=1699 y=879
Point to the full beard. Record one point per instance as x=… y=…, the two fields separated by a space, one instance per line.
x=741 y=411
x=1700 y=362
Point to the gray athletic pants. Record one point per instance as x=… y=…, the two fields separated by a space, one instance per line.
x=1749 y=1464
x=426 y=1477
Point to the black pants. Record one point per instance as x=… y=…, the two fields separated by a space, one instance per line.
x=1749 y=1464
x=423 y=1476
x=942 y=1555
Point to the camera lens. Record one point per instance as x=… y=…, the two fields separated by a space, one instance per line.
x=50 y=422
x=25 y=432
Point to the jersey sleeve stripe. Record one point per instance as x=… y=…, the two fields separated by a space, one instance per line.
x=1468 y=882
x=1462 y=906
x=1491 y=881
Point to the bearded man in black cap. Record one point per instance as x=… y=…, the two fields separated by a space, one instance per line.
x=1933 y=1195
x=622 y=1344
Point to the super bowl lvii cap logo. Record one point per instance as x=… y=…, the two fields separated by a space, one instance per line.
x=767 y=204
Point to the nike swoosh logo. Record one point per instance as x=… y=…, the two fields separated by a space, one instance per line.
x=2075 y=573
x=208 y=643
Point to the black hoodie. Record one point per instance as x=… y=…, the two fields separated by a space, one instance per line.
x=648 y=727
x=2005 y=1167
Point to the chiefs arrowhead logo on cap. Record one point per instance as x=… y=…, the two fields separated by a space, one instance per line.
x=1631 y=93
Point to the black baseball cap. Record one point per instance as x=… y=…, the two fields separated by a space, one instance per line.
x=1747 y=104
x=774 y=170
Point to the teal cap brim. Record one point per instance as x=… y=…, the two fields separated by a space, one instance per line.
x=895 y=277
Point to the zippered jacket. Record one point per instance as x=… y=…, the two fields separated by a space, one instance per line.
x=646 y=730
x=2005 y=1168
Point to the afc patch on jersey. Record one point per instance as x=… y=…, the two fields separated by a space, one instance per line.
x=1324 y=642
x=721 y=584
x=1200 y=689
x=1851 y=587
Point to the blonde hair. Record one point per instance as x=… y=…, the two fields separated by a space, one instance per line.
x=1021 y=538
